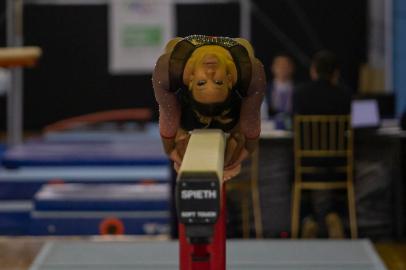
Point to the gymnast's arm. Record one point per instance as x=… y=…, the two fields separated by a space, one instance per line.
x=169 y=108
x=250 y=118
x=250 y=121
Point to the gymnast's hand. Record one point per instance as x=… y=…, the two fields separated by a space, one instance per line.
x=234 y=156
x=174 y=156
x=233 y=169
x=181 y=142
x=235 y=153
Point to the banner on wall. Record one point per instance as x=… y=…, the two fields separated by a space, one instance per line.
x=139 y=30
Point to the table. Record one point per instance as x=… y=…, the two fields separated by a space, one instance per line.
x=378 y=182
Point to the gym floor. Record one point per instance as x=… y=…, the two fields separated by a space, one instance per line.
x=18 y=253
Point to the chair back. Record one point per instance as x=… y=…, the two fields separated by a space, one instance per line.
x=323 y=144
x=323 y=135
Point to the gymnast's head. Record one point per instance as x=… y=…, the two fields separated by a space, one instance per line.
x=210 y=73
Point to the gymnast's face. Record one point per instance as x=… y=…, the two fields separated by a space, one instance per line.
x=210 y=81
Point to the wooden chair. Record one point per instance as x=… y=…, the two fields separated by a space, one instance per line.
x=323 y=137
x=248 y=190
x=255 y=194
x=242 y=188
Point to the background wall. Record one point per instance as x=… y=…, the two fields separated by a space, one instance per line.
x=399 y=57
x=72 y=76
x=2 y=44
x=312 y=25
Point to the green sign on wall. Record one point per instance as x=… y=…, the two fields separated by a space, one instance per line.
x=133 y=36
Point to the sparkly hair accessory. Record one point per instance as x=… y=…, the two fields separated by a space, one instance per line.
x=200 y=40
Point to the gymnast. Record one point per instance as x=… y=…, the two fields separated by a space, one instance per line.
x=209 y=82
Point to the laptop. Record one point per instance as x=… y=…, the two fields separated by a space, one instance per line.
x=365 y=114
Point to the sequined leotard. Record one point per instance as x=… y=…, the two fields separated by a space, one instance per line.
x=174 y=110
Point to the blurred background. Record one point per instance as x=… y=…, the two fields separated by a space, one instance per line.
x=80 y=149
x=65 y=84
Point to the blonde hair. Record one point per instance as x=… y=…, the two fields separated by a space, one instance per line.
x=222 y=54
x=247 y=45
x=171 y=44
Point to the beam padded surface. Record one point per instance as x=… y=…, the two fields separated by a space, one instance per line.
x=204 y=153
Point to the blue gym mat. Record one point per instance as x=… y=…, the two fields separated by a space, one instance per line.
x=241 y=255
x=92 y=209
x=22 y=183
x=103 y=197
x=15 y=217
x=90 y=148
x=108 y=153
x=18 y=187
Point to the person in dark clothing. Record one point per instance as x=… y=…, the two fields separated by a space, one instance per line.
x=322 y=96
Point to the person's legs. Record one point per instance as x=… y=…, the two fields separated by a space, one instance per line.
x=335 y=226
x=310 y=228
x=322 y=204
x=326 y=216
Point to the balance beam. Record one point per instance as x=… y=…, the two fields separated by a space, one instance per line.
x=201 y=202
x=204 y=154
x=19 y=57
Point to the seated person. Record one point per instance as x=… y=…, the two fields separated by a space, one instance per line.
x=209 y=82
x=322 y=96
x=279 y=91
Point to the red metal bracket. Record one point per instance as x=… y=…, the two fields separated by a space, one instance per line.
x=210 y=256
